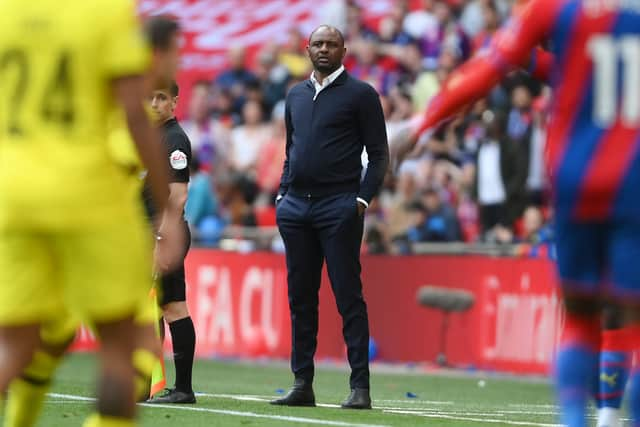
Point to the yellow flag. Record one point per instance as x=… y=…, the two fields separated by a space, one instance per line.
x=158 y=375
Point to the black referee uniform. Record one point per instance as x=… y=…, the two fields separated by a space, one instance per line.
x=179 y=157
x=173 y=285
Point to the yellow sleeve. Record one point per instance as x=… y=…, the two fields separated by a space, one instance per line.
x=125 y=51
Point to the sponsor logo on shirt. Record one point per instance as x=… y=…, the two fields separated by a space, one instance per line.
x=178 y=160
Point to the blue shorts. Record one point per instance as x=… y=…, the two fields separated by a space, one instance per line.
x=599 y=258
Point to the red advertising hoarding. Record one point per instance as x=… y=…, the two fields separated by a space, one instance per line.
x=239 y=306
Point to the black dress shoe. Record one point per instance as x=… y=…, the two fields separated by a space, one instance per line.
x=301 y=394
x=171 y=395
x=358 y=399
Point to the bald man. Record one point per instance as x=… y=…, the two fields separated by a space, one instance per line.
x=330 y=118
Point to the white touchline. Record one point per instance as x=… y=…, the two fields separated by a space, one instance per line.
x=72 y=397
x=253 y=398
x=264 y=396
x=234 y=413
x=534 y=405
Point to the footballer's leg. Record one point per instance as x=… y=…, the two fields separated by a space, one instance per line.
x=29 y=293
x=581 y=266
x=615 y=364
x=27 y=392
x=148 y=348
x=115 y=384
x=108 y=275
x=577 y=359
x=624 y=251
x=17 y=346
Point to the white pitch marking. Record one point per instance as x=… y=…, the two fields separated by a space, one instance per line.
x=72 y=397
x=254 y=398
x=533 y=405
x=265 y=398
x=414 y=410
x=417 y=401
x=233 y=413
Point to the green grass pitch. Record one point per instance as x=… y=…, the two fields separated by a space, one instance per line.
x=237 y=393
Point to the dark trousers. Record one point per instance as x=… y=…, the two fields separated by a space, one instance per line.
x=315 y=229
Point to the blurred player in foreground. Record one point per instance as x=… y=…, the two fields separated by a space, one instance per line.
x=594 y=160
x=71 y=237
x=26 y=394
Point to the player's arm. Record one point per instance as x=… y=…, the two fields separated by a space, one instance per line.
x=540 y=64
x=129 y=92
x=511 y=49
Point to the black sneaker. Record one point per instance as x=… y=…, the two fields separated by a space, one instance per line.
x=171 y=395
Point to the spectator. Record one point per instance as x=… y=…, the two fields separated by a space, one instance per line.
x=515 y=153
x=421 y=22
x=293 y=55
x=447 y=36
x=356 y=27
x=390 y=30
x=491 y=192
x=222 y=108
x=491 y=22
x=209 y=137
x=272 y=154
x=472 y=19
x=273 y=77
x=368 y=67
x=536 y=177
x=376 y=239
x=535 y=230
x=445 y=143
x=201 y=198
x=237 y=77
x=334 y=13
x=237 y=194
x=427 y=83
x=397 y=205
x=247 y=140
x=441 y=224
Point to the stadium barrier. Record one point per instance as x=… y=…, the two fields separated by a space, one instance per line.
x=240 y=309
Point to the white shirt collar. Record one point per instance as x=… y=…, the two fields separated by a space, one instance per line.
x=326 y=81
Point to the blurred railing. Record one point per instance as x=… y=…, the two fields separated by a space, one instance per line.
x=249 y=239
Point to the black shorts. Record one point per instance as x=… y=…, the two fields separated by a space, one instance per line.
x=173 y=283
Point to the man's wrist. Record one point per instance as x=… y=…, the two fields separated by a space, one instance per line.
x=363 y=202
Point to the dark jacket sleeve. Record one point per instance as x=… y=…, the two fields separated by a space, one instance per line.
x=284 y=179
x=374 y=135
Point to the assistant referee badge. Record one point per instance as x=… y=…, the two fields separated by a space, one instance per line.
x=178 y=160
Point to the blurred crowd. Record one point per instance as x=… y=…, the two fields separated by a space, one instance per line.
x=480 y=177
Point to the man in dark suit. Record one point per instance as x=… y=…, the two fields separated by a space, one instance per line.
x=329 y=118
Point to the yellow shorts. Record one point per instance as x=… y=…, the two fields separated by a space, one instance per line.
x=98 y=275
x=61 y=329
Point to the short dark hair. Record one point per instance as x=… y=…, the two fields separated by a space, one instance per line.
x=330 y=28
x=159 y=30
x=174 y=90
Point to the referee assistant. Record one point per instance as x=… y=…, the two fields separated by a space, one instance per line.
x=173 y=301
x=330 y=119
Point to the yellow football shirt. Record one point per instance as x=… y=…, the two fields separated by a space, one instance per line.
x=57 y=62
